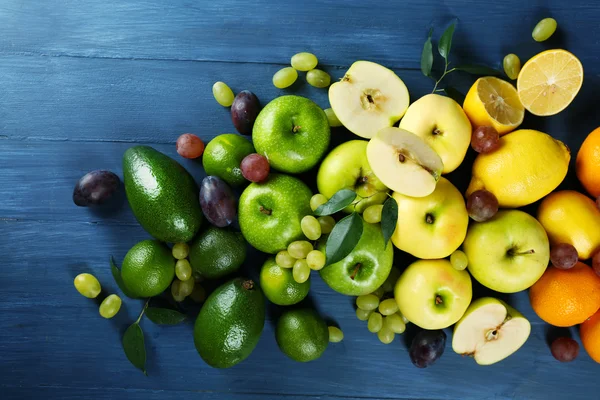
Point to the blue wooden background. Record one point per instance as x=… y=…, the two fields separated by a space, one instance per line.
x=82 y=80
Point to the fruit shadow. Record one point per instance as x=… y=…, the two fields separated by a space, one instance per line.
x=553 y=332
x=480 y=291
x=274 y=311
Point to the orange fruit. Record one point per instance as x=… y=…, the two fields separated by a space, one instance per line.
x=588 y=163
x=590 y=336
x=566 y=297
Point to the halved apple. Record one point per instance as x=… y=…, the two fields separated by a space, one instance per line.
x=404 y=162
x=369 y=97
x=490 y=331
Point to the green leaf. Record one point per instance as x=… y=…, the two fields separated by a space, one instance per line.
x=445 y=43
x=343 y=238
x=340 y=200
x=389 y=219
x=133 y=345
x=478 y=70
x=116 y=273
x=427 y=55
x=454 y=94
x=164 y=316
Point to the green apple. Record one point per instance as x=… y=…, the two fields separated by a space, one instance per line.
x=490 y=331
x=507 y=253
x=368 y=98
x=347 y=167
x=363 y=270
x=443 y=124
x=404 y=162
x=270 y=212
x=433 y=226
x=292 y=132
x=432 y=294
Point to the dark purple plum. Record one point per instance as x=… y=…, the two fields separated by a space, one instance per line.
x=95 y=188
x=217 y=201
x=427 y=347
x=244 y=110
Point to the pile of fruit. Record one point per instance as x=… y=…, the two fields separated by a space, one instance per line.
x=373 y=195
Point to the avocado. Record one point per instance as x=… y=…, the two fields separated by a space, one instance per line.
x=217 y=252
x=230 y=323
x=162 y=195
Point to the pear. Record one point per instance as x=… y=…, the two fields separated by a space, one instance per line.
x=489 y=331
x=369 y=97
x=404 y=162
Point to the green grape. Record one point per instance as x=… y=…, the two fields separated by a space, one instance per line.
x=379 y=292
x=301 y=271
x=285 y=77
x=181 y=250
x=176 y=290
x=544 y=29
x=317 y=200
x=394 y=323
x=110 y=306
x=183 y=270
x=512 y=66
x=315 y=260
x=375 y=322
x=304 y=61
x=390 y=283
x=333 y=120
x=367 y=302
x=318 y=78
x=299 y=249
x=327 y=223
x=363 y=315
x=388 y=307
x=223 y=94
x=459 y=260
x=87 y=285
x=372 y=214
x=310 y=227
x=186 y=287
x=385 y=335
x=198 y=294
x=335 y=334
x=284 y=260
x=406 y=321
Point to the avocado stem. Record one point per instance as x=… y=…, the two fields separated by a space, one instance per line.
x=355 y=271
x=248 y=285
x=265 y=211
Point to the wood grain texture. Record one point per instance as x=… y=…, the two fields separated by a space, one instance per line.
x=84 y=80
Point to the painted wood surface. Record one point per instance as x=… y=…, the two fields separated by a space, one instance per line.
x=81 y=81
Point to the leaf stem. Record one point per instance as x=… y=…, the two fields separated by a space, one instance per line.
x=142 y=312
x=446 y=72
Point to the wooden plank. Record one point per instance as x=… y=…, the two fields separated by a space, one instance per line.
x=267 y=31
x=48 y=331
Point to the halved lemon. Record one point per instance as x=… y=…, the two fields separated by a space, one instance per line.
x=549 y=82
x=494 y=102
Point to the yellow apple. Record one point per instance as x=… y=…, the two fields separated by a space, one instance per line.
x=443 y=124
x=433 y=226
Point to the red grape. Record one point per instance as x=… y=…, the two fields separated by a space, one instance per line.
x=482 y=205
x=485 y=139
x=255 y=167
x=596 y=263
x=189 y=146
x=564 y=256
x=565 y=349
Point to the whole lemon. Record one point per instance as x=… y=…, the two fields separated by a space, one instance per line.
x=527 y=166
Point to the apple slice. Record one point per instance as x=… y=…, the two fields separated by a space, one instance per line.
x=369 y=97
x=404 y=162
x=490 y=331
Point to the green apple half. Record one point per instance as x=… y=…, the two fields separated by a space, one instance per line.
x=363 y=270
x=432 y=294
x=404 y=162
x=490 y=331
x=507 y=253
x=369 y=97
x=347 y=167
x=433 y=226
x=443 y=124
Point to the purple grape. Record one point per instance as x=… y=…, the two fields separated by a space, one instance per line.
x=427 y=347
x=485 y=139
x=565 y=349
x=482 y=205
x=255 y=167
x=564 y=256
x=95 y=188
x=217 y=201
x=244 y=110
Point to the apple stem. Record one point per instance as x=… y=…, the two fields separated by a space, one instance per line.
x=438 y=300
x=355 y=271
x=265 y=210
x=295 y=129
x=512 y=252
